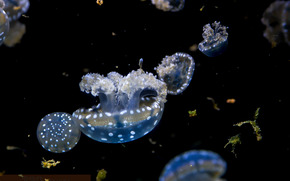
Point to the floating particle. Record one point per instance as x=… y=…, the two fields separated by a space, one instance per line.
x=102 y=174
x=49 y=163
x=202 y=8
x=234 y=140
x=254 y=125
x=169 y=5
x=58 y=132
x=230 y=101
x=193 y=47
x=276 y=18
x=100 y=2
x=215 y=106
x=4 y=25
x=176 y=71
x=192 y=113
x=194 y=165
x=130 y=106
x=215 y=39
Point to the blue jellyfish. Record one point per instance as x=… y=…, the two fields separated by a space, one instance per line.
x=58 y=132
x=169 y=5
x=15 y=8
x=176 y=71
x=130 y=106
x=276 y=18
x=215 y=39
x=194 y=165
x=4 y=25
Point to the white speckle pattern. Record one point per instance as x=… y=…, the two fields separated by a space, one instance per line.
x=54 y=128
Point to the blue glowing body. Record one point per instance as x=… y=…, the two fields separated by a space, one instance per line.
x=215 y=40
x=120 y=127
x=130 y=106
x=194 y=166
x=4 y=25
x=58 y=132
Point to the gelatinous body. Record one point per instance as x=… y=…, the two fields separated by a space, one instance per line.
x=130 y=106
x=194 y=166
x=215 y=39
x=15 y=8
x=169 y=5
x=176 y=71
x=4 y=25
x=277 y=20
x=58 y=132
x=16 y=32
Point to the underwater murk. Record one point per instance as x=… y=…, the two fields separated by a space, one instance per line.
x=145 y=90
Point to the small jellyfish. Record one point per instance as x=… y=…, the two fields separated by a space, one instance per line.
x=215 y=39
x=194 y=166
x=130 y=106
x=58 y=132
x=169 y=5
x=176 y=71
x=15 y=8
x=4 y=25
x=276 y=18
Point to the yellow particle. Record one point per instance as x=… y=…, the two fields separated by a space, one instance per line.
x=100 y=2
x=201 y=8
x=101 y=175
x=192 y=113
x=254 y=125
x=49 y=163
x=234 y=140
x=231 y=101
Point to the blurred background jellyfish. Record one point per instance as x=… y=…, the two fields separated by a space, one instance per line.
x=176 y=71
x=215 y=39
x=130 y=106
x=276 y=18
x=169 y=5
x=4 y=23
x=15 y=9
x=194 y=165
x=58 y=132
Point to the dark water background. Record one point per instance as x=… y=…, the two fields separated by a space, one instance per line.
x=64 y=39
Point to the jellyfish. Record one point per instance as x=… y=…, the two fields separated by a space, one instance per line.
x=15 y=8
x=194 y=165
x=215 y=39
x=4 y=25
x=130 y=106
x=276 y=18
x=169 y=5
x=58 y=132
x=176 y=71
x=16 y=32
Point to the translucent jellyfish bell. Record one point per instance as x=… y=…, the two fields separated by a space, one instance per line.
x=130 y=106
x=169 y=5
x=58 y=132
x=276 y=18
x=4 y=25
x=215 y=39
x=194 y=165
x=176 y=71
